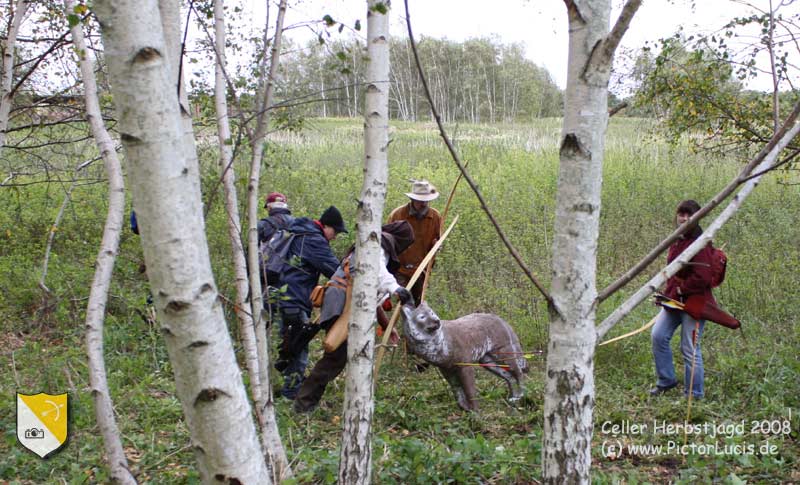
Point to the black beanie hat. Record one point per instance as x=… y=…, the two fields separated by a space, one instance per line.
x=332 y=217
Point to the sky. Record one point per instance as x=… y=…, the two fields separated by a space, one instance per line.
x=540 y=25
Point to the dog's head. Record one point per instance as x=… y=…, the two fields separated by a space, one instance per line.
x=422 y=320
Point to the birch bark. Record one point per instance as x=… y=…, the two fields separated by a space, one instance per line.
x=232 y=209
x=7 y=70
x=104 y=266
x=569 y=387
x=166 y=189
x=356 y=453
x=270 y=436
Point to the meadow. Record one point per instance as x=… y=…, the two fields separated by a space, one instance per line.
x=420 y=435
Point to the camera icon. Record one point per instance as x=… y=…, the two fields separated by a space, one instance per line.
x=34 y=433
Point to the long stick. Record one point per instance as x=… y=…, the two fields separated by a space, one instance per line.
x=444 y=218
x=631 y=334
x=388 y=331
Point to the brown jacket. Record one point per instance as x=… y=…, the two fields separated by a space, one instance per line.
x=426 y=233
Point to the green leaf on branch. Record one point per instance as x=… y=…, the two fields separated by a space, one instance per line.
x=381 y=8
x=329 y=22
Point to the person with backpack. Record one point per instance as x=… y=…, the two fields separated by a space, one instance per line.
x=693 y=282
x=396 y=237
x=309 y=255
x=279 y=217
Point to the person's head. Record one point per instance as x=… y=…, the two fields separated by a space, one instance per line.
x=396 y=237
x=276 y=200
x=422 y=192
x=685 y=210
x=332 y=223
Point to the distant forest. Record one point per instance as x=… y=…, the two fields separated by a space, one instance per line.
x=476 y=81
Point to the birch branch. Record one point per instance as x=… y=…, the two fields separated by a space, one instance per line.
x=51 y=236
x=603 y=53
x=104 y=265
x=714 y=202
x=511 y=249
x=732 y=207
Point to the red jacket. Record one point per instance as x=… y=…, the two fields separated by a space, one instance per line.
x=693 y=279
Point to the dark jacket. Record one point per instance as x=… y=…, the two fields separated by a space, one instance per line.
x=315 y=256
x=695 y=278
x=278 y=219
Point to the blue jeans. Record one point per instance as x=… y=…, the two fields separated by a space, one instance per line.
x=666 y=323
x=295 y=372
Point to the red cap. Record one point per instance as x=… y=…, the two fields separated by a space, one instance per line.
x=276 y=197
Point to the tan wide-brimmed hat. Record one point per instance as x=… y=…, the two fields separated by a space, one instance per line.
x=422 y=190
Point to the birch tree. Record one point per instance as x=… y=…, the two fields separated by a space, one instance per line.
x=104 y=265
x=355 y=465
x=166 y=191
x=273 y=446
x=569 y=387
x=241 y=305
x=16 y=15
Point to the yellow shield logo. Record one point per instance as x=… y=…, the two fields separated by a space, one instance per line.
x=42 y=422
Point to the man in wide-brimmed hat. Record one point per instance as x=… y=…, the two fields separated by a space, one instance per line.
x=427 y=225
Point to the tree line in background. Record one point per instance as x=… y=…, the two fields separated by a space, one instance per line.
x=479 y=80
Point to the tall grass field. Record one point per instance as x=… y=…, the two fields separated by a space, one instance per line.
x=748 y=421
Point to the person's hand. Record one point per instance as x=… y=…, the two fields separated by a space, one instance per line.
x=405 y=296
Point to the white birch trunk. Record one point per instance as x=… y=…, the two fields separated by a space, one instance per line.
x=356 y=453
x=270 y=436
x=7 y=68
x=169 y=210
x=232 y=209
x=104 y=266
x=569 y=387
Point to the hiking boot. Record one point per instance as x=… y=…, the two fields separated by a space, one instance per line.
x=301 y=408
x=659 y=390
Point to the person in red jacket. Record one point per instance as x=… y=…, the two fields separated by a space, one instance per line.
x=693 y=279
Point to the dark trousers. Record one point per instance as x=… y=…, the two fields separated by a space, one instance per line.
x=326 y=370
x=293 y=351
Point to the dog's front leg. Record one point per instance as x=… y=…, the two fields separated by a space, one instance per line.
x=466 y=375
x=453 y=378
